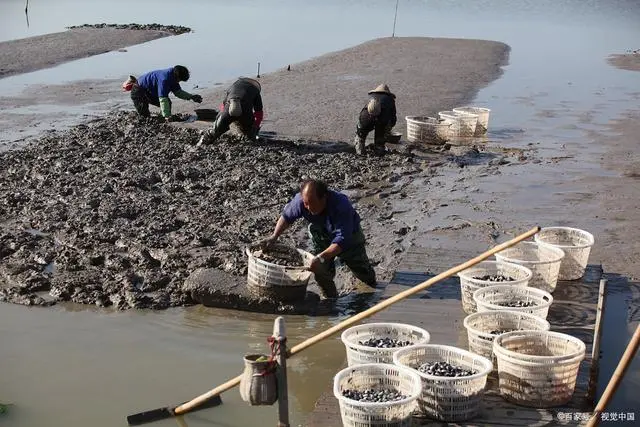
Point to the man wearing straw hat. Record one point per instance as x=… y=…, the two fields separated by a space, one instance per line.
x=378 y=115
x=335 y=232
x=242 y=105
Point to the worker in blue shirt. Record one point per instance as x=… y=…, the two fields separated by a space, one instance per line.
x=154 y=88
x=335 y=232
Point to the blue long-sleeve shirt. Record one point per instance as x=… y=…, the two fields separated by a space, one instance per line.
x=159 y=83
x=339 y=218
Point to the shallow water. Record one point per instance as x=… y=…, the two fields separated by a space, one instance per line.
x=71 y=366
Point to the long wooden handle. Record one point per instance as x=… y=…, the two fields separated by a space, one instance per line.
x=616 y=378
x=185 y=407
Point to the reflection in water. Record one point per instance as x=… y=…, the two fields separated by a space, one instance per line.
x=26 y=12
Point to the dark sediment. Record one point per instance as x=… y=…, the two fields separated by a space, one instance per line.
x=173 y=29
x=121 y=211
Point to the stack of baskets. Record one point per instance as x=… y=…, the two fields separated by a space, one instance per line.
x=451 y=124
x=277 y=282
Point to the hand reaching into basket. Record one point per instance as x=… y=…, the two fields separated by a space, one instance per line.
x=266 y=243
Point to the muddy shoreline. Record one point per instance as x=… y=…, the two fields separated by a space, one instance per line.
x=125 y=212
x=628 y=61
x=35 y=53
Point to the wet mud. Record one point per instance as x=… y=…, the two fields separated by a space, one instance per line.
x=124 y=211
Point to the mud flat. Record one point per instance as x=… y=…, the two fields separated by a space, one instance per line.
x=126 y=212
x=321 y=98
x=35 y=53
x=628 y=61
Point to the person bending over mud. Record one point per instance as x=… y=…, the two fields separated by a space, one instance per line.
x=380 y=115
x=335 y=231
x=154 y=88
x=242 y=105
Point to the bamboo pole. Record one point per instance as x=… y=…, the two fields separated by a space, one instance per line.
x=197 y=401
x=280 y=336
x=616 y=378
x=595 y=349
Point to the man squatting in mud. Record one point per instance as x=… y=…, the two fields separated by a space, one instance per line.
x=335 y=232
x=154 y=88
x=242 y=105
x=379 y=115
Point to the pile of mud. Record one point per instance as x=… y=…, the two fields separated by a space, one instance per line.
x=173 y=29
x=120 y=211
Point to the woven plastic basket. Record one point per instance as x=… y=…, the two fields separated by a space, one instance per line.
x=377 y=376
x=447 y=398
x=358 y=353
x=481 y=325
x=538 y=369
x=496 y=297
x=427 y=130
x=543 y=261
x=483 y=117
x=268 y=280
x=576 y=245
x=463 y=124
x=468 y=283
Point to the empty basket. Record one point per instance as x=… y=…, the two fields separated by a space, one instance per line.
x=377 y=376
x=538 y=369
x=482 y=328
x=358 y=353
x=502 y=297
x=447 y=398
x=268 y=280
x=427 y=130
x=469 y=284
x=543 y=261
x=483 y=117
x=462 y=124
x=576 y=245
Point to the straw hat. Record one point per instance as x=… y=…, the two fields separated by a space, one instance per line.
x=382 y=89
x=252 y=81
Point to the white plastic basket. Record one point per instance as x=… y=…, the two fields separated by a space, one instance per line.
x=427 y=130
x=468 y=285
x=377 y=376
x=538 y=369
x=358 y=353
x=265 y=279
x=447 y=398
x=463 y=124
x=483 y=117
x=491 y=298
x=576 y=245
x=480 y=325
x=543 y=261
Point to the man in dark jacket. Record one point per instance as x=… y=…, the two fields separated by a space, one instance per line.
x=335 y=232
x=154 y=88
x=378 y=115
x=242 y=104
